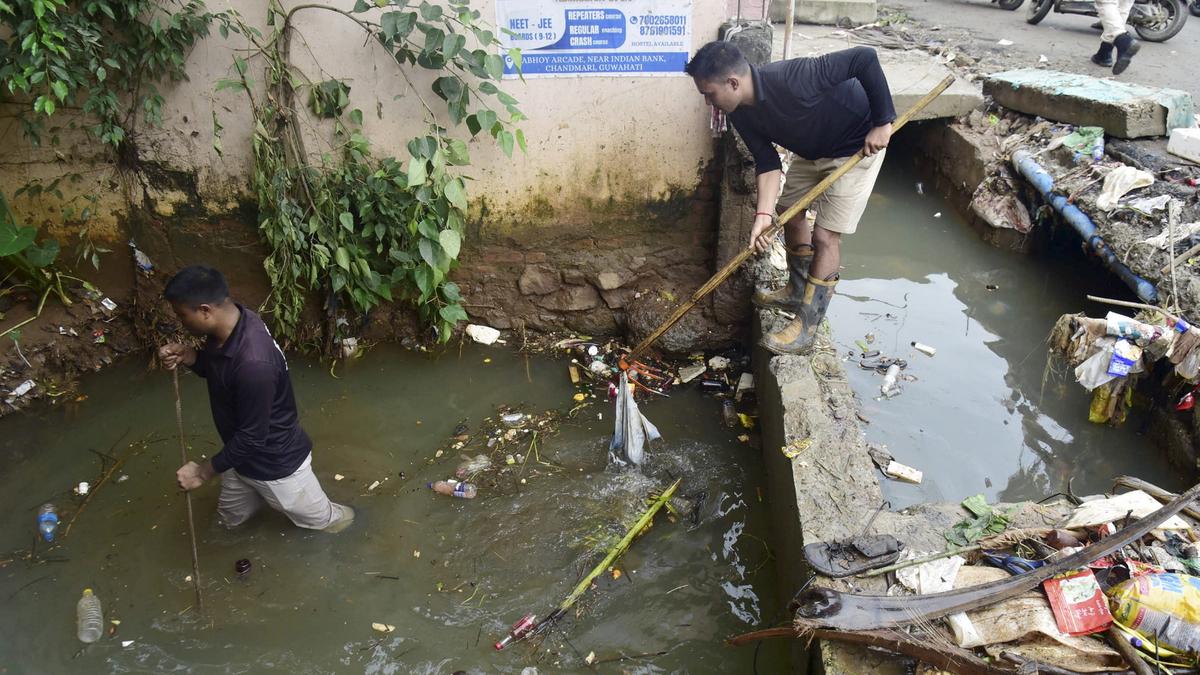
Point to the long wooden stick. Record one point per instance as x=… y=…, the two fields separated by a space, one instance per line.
x=729 y=268
x=188 y=494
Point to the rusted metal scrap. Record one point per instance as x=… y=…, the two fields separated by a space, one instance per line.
x=828 y=608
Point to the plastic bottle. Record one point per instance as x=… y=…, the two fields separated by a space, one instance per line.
x=454 y=488
x=519 y=630
x=729 y=413
x=48 y=521
x=889 y=380
x=90 y=618
x=1098 y=149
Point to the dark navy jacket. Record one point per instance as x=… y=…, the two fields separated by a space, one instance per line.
x=252 y=402
x=819 y=107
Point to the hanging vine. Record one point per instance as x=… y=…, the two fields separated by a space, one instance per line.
x=357 y=228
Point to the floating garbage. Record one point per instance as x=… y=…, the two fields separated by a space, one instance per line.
x=22 y=389
x=924 y=348
x=108 y=304
x=903 y=473
x=83 y=488
x=890 y=386
x=242 y=567
x=484 y=335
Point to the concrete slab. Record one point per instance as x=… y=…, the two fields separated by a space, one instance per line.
x=910 y=73
x=1124 y=110
x=827 y=12
x=1185 y=143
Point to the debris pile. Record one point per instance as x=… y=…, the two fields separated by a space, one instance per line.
x=1106 y=581
x=1108 y=356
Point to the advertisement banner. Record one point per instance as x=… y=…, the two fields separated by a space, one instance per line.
x=574 y=38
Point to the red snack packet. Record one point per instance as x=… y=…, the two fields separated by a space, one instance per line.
x=1080 y=607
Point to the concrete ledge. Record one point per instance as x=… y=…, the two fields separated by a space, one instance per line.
x=1123 y=109
x=827 y=12
x=910 y=74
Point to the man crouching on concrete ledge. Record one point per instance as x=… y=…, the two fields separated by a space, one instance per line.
x=267 y=457
x=823 y=109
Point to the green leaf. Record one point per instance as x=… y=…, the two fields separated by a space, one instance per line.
x=451 y=292
x=364 y=267
x=506 y=142
x=14 y=239
x=356 y=116
x=453 y=313
x=494 y=65
x=44 y=255
x=424 y=278
x=457 y=195
x=449 y=88
x=416 y=172
x=451 y=241
x=452 y=45
x=515 y=55
x=389 y=24
x=59 y=89
x=457 y=153
x=343 y=258
x=347 y=220
x=425 y=246
x=487 y=120
x=430 y=12
x=240 y=63
x=101 y=73
x=521 y=141
x=360 y=6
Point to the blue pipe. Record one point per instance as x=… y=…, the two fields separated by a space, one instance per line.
x=1036 y=175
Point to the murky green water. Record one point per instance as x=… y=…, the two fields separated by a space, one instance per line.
x=978 y=418
x=308 y=604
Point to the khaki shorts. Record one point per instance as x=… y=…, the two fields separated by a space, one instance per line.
x=839 y=208
x=298 y=496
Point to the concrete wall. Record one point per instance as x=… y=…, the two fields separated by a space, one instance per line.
x=594 y=141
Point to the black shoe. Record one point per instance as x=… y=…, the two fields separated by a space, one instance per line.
x=1127 y=47
x=1103 y=56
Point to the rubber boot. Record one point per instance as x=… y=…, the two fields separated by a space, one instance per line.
x=1127 y=47
x=798 y=336
x=790 y=297
x=1103 y=57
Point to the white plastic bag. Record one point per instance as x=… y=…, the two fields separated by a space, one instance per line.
x=1120 y=181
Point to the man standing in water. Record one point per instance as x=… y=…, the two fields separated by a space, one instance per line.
x=267 y=457
x=823 y=109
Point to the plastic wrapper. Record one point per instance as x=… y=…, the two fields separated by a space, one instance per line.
x=1162 y=608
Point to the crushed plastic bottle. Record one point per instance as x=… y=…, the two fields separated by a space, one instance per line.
x=454 y=488
x=48 y=521
x=89 y=617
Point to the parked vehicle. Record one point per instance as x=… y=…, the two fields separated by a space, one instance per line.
x=1154 y=20
x=1194 y=8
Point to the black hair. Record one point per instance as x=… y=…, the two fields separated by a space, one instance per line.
x=716 y=60
x=197 y=285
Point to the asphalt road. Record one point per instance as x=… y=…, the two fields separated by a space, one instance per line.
x=1066 y=40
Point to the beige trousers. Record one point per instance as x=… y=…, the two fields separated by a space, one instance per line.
x=839 y=208
x=298 y=496
x=1113 y=16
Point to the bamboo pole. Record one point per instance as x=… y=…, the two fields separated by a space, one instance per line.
x=619 y=549
x=787 y=29
x=1132 y=305
x=188 y=494
x=729 y=268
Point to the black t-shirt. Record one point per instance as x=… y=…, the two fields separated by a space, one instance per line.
x=253 y=406
x=818 y=107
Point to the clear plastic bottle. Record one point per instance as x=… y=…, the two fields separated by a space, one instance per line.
x=729 y=413
x=454 y=488
x=48 y=521
x=90 y=618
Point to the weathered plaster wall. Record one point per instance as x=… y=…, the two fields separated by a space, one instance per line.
x=594 y=143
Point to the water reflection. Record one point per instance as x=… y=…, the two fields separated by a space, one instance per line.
x=984 y=414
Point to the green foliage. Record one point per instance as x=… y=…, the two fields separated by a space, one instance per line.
x=24 y=262
x=101 y=57
x=363 y=229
